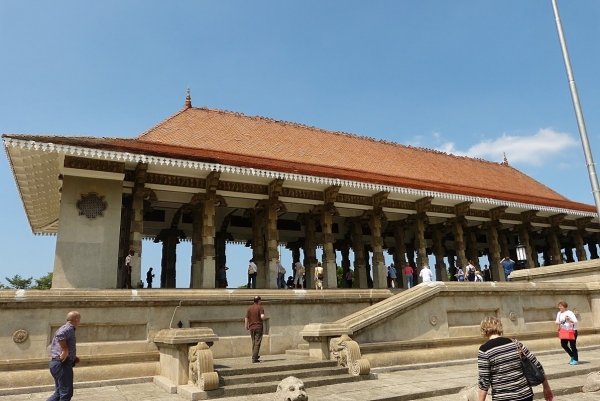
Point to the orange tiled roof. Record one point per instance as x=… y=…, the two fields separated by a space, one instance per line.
x=235 y=139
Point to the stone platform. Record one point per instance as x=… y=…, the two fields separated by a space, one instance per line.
x=431 y=382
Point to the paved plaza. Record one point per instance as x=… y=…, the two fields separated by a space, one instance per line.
x=434 y=382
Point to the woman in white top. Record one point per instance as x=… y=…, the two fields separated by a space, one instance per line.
x=319 y=276
x=299 y=279
x=567 y=320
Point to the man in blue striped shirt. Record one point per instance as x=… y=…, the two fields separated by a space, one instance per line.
x=63 y=352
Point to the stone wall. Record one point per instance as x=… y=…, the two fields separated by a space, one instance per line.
x=581 y=272
x=440 y=321
x=115 y=337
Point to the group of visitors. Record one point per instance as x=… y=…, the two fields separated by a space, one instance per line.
x=499 y=359
x=413 y=274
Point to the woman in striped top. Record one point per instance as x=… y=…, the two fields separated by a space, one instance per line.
x=500 y=367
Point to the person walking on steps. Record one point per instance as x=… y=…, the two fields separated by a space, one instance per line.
x=255 y=315
x=567 y=321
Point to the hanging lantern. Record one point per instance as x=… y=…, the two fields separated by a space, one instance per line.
x=521 y=254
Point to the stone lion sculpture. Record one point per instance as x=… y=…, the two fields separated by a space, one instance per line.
x=471 y=393
x=290 y=389
x=592 y=383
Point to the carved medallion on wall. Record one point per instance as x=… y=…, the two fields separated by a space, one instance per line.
x=433 y=320
x=512 y=316
x=91 y=205
x=576 y=313
x=20 y=336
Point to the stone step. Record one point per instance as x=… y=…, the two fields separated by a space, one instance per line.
x=267 y=366
x=297 y=352
x=270 y=387
x=302 y=374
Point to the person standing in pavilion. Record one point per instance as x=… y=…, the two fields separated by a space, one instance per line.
x=408 y=273
x=509 y=265
x=252 y=273
x=393 y=275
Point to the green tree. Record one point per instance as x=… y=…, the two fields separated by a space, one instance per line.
x=19 y=283
x=44 y=282
x=2 y=286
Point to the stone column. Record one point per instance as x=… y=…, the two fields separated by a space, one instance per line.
x=137 y=221
x=473 y=251
x=569 y=254
x=267 y=277
x=379 y=268
x=459 y=242
x=555 y=253
x=547 y=258
x=494 y=255
x=203 y=244
x=344 y=249
x=310 y=250
x=220 y=250
x=579 y=247
x=329 y=264
x=124 y=233
x=420 y=241
x=441 y=273
x=452 y=265
x=360 y=271
x=400 y=254
x=503 y=244
x=593 y=248
x=258 y=243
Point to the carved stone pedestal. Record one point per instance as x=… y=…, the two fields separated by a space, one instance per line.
x=186 y=362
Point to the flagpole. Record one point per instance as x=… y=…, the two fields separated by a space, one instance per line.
x=591 y=166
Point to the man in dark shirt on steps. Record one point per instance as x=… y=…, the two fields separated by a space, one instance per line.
x=254 y=323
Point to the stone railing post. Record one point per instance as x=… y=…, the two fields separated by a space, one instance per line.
x=186 y=362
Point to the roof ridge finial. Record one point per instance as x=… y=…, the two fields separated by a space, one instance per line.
x=188 y=99
x=505 y=161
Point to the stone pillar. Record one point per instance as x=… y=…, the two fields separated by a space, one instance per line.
x=473 y=251
x=360 y=271
x=344 y=249
x=126 y=211
x=569 y=254
x=310 y=250
x=494 y=255
x=329 y=264
x=137 y=221
x=503 y=244
x=579 y=246
x=295 y=248
x=379 y=268
x=420 y=241
x=593 y=248
x=555 y=253
x=441 y=273
x=168 y=274
x=400 y=254
x=546 y=256
x=258 y=243
x=203 y=242
x=368 y=267
x=267 y=277
x=452 y=265
x=459 y=242
x=220 y=249
x=524 y=238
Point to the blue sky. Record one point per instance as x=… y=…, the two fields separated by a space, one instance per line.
x=470 y=77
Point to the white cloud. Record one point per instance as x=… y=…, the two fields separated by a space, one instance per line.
x=534 y=149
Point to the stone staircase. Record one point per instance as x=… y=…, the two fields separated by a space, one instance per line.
x=245 y=378
x=301 y=351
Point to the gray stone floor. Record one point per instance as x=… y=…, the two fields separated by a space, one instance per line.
x=435 y=383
